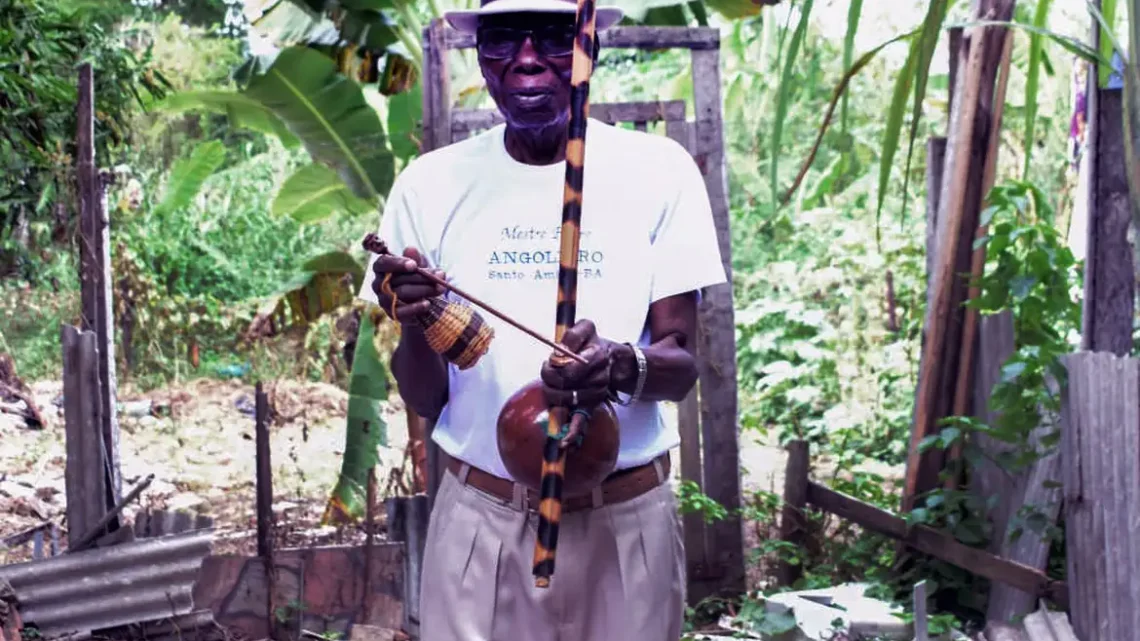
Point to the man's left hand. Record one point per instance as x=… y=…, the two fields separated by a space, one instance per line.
x=568 y=383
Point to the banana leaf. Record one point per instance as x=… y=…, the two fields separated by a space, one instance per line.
x=330 y=116
x=405 y=113
x=314 y=193
x=189 y=174
x=366 y=429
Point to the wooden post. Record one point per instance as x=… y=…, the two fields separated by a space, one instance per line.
x=716 y=344
x=436 y=134
x=85 y=474
x=265 y=504
x=1109 y=276
x=792 y=517
x=408 y=524
x=95 y=278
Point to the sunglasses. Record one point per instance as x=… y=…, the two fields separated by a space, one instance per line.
x=501 y=43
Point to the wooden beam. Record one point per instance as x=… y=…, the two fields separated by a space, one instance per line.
x=716 y=345
x=937 y=544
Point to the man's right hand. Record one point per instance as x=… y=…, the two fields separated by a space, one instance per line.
x=411 y=289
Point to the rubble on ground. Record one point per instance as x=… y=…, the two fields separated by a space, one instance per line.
x=840 y=613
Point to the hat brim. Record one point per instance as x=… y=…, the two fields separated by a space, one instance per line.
x=468 y=21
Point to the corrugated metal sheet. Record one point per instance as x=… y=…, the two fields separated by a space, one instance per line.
x=95 y=589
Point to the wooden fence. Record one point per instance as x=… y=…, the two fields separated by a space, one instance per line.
x=1101 y=459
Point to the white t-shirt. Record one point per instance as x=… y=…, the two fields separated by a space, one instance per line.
x=492 y=224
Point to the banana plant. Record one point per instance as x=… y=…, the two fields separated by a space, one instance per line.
x=303 y=99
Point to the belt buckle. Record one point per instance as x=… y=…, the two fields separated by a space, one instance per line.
x=521 y=499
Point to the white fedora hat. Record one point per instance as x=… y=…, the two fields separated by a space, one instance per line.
x=468 y=21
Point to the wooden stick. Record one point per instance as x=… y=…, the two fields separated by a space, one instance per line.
x=373 y=244
x=93 y=534
x=978 y=262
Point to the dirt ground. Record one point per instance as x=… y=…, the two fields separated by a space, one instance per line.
x=201 y=451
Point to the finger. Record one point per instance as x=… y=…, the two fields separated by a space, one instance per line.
x=579 y=335
x=565 y=374
x=410 y=312
x=577 y=428
x=388 y=264
x=403 y=279
x=414 y=254
x=414 y=293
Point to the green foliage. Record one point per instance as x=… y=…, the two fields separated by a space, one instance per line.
x=829 y=320
x=791 y=56
x=41 y=43
x=1032 y=273
x=189 y=174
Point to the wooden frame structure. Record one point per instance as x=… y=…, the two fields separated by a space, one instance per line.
x=708 y=417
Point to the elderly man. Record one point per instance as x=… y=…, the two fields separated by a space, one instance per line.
x=485 y=213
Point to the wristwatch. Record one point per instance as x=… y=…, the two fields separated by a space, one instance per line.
x=639 y=357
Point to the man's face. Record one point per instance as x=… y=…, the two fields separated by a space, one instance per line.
x=526 y=61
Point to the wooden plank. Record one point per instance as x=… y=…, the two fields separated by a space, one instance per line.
x=935 y=163
x=693 y=523
x=689 y=425
x=85 y=472
x=695 y=38
x=464 y=121
x=957 y=218
x=95 y=277
x=793 y=520
x=921 y=633
x=1110 y=276
x=937 y=544
x=437 y=134
x=716 y=345
x=1030 y=549
x=1101 y=440
x=436 y=88
x=955 y=55
x=995 y=345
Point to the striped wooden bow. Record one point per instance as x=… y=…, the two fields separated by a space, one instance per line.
x=553 y=456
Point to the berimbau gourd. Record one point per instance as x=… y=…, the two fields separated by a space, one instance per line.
x=556 y=451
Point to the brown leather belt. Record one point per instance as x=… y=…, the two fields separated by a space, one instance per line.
x=623 y=485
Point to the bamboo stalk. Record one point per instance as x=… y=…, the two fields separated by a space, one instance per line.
x=978 y=259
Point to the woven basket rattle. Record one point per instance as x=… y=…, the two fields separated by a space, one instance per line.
x=453 y=330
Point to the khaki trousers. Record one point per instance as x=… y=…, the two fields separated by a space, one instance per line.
x=619 y=574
